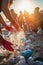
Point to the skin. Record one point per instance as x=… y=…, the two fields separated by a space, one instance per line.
x=7 y=13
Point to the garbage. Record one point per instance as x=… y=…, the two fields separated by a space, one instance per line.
x=28 y=41
x=40 y=31
x=38 y=59
x=32 y=37
x=16 y=59
x=39 y=63
x=29 y=46
x=27 y=53
x=32 y=61
x=10 y=62
x=22 y=62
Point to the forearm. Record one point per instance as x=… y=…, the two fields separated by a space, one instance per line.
x=2 y=21
x=8 y=15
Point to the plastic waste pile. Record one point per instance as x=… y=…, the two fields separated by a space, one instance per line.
x=23 y=47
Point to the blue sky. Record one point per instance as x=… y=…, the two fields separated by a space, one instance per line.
x=31 y=4
x=38 y=3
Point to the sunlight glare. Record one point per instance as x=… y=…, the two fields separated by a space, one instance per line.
x=24 y=5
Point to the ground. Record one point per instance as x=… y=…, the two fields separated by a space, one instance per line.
x=38 y=49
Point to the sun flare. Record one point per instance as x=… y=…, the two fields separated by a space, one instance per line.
x=24 y=5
